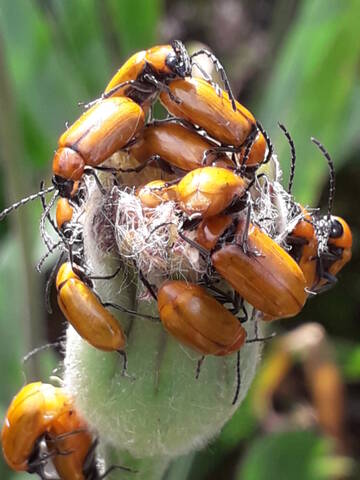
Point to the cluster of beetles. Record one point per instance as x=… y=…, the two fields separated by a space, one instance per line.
x=211 y=153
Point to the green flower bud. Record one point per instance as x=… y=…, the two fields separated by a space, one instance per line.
x=158 y=409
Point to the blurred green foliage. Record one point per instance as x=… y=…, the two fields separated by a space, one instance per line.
x=295 y=455
x=60 y=52
x=314 y=89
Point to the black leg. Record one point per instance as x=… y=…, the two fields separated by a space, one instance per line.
x=198 y=367
x=116 y=467
x=238 y=378
x=125 y=362
x=162 y=87
x=130 y=312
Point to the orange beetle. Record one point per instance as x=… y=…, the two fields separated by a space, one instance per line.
x=177 y=145
x=28 y=418
x=85 y=312
x=145 y=73
x=209 y=190
x=154 y=193
x=198 y=320
x=100 y=132
x=265 y=276
x=324 y=265
x=339 y=250
x=320 y=269
x=68 y=433
x=321 y=245
x=200 y=104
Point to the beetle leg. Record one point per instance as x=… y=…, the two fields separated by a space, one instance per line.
x=208 y=78
x=50 y=281
x=292 y=240
x=330 y=278
x=220 y=69
x=125 y=363
x=238 y=303
x=218 y=294
x=134 y=83
x=330 y=256
x=146 y=283
x=194 y=244
x=162 y=87
x=89 y=467
x=130 y=312
x=238 y=378
x=204 y=73
x=115 y=467
x=198 y=367
x=40 y=460
x=105 y=277
x=245 y=237
x=331 y=281
x=90 y=171
x=177 y=120
x=260 y=339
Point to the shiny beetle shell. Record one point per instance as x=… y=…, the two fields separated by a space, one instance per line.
x=85 y=312
x=197 y=320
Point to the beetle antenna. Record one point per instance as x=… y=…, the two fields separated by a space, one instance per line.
x=293 y=156
x=23 y=201
x=47 y=254
x=43 y=201
x=331 y=174
x=268 y=142
x=44 y=235
x=40 y=349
